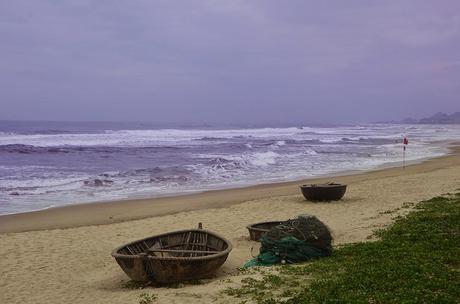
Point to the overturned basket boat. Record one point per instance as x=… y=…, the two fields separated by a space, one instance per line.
x=257 y=230
x=173 y=257
x=323 y=192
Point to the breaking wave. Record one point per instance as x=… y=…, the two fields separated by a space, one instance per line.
x=55 y=167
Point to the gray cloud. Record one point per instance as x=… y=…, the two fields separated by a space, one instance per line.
x=228 y=61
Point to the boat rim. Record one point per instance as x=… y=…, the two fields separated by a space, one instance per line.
x=115 y=253
x=335 y=185
x=251 y=226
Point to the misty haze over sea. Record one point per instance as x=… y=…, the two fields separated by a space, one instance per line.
x=44 y=164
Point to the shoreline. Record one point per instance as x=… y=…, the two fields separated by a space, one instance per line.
x=108 y=212
x=387 y=165
x=17 y=202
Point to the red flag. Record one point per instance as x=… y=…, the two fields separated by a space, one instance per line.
x=405 y=141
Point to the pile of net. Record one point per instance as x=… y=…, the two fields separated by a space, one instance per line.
x=294 y=241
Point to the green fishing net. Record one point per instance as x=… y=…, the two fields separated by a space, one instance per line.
x=294 y=241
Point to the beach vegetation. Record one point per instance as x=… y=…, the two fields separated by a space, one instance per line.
x=133 y=285
x=415 y=260
x=145 y=298
x=152 y=284
x=407 y=205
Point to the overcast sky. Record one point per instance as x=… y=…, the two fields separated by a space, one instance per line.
x=228 y=61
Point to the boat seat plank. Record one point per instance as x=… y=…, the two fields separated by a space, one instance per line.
x=182 y=251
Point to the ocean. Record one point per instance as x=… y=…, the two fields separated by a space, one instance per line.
x=48 y=164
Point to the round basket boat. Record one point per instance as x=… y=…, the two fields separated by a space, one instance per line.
x=173 y=257
x=323 y=192
x=257 y=230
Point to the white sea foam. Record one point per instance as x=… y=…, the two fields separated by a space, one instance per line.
x=280 y=143
x=263 y=158
x=139 y=138
x=310 y=151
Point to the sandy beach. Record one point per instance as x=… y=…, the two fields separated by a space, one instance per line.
x=62 y=255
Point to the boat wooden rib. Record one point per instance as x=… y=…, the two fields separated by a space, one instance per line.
x=173 y=257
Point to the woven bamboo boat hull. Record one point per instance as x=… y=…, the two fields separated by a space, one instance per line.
x=257 y=230
x=323 y=192
x=173 y=257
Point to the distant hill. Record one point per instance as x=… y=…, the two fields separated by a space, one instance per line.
x=438 y=118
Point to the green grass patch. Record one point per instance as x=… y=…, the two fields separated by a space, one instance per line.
x=416 y=260
x=146 y=298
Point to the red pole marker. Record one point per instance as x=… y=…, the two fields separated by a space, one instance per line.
x=405 y=143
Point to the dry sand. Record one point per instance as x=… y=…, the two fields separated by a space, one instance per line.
x=73 y=265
